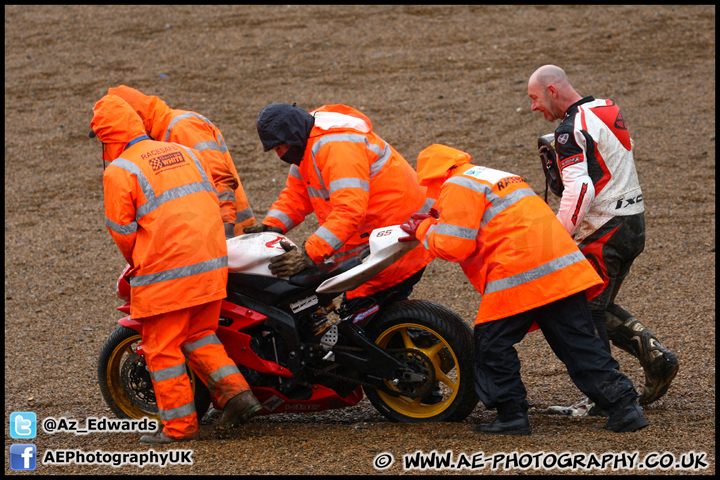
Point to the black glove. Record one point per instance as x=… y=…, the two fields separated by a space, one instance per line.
x=261 y=227
x=291 y=262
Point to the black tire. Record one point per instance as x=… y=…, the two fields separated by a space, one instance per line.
x=445 y=339
x=117 y=376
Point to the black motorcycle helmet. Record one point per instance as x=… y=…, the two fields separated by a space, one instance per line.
x=548 y=162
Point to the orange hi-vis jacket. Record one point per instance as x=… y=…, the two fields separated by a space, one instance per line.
x=197 y=132
x=355 y=182
x=162 y=211
x=507 y=240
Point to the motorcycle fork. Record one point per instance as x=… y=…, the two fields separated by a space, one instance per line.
x=378 y=365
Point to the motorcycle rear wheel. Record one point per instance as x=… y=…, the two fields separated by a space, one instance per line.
x=444 y=339
x=124 y=394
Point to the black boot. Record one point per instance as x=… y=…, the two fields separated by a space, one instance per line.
x=513 y=421
x=626 y=419
x=660 y=364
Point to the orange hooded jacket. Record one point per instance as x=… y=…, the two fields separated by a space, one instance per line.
x=507 y=240
x=162 y=212
x=355 y=182
x=197 y=132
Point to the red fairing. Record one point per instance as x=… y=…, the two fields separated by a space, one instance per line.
x=323 y=398
x=130 y=323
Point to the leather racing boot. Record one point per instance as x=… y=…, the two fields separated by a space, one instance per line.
x=239 y=409
x=162 y=439
x=660 y=364
x=626 y=419
x=515 y=421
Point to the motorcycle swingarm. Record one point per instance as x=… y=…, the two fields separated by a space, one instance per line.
x=375 y=364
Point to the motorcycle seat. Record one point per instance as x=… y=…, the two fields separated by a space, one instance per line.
x=314 y=276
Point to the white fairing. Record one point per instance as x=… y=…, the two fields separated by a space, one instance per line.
x=252 y=253
x=385 y=249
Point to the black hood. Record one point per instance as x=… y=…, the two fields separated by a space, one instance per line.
x=284 y=124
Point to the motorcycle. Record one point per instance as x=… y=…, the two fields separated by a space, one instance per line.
x=300 y=353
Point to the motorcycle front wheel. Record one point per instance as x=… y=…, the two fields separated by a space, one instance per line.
x=439 y=345
x=125 y=382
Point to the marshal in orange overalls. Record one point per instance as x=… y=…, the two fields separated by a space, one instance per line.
x=197 y=132
x=162 y=211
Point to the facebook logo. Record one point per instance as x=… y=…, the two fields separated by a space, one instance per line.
x=23 y=425
x=23 y=456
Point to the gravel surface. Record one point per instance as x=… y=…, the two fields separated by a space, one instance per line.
x=423 y=74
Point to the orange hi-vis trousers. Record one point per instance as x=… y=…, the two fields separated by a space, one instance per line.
x=166 y=341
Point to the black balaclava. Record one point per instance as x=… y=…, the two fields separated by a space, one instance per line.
x=284 y=124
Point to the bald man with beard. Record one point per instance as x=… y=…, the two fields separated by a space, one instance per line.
x=601 y=206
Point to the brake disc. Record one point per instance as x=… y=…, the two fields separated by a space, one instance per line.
x=421 y=365
x=136 y=383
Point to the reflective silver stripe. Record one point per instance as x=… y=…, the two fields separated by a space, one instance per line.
x=167 y=373
x=181 y=272
x=535 y=273
x=153 y=201
x=427 y=235
x=329 y=237
x=500 y=204
x=182 y=117
x=211 y=339
x=295 y=172
x=228 y=196
x=178 y=412
x=219 y=374
x=383 y=157
x=427 y=205
x=456 y=231
x=318 y=193
x=133 y=169
x=470 y=183
x=242 y=215
x=207 y=145
x=383 y=154
x=229 y=229
x=283 y=217
x=122 y=229
x=354 y=251
x=199 y=166
x=341 y=183
x=223 y=145
x=172 y=194
x=340 y=137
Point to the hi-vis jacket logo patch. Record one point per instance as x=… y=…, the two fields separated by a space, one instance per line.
x=475 y=171
x=562 y=139
x=164 y=161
